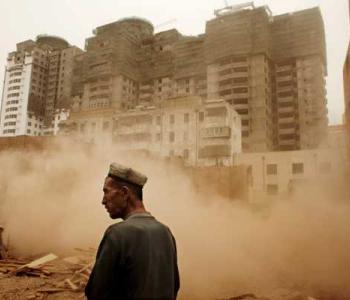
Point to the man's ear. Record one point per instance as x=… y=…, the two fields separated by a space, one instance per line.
x=125 y=190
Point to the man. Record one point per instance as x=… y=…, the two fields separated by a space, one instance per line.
x=137 y=257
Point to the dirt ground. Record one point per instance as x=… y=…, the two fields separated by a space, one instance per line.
x=58 y=279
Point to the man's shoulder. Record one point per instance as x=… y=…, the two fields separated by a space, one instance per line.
x=116 y=227
x=134 y=225
x=119 y=228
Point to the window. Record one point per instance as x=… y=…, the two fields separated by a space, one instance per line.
x=158 y=119
x=16 y=74
x=186 y=118
x=105 y=126
x=171 y=136
x=245 y=122
x=240 y=101
x=272 y=189
x=186 y=154
x=245 y=133
x=172 y=119
x=201 y=116
x=12 y=95
x=93 y=127
x=16 y=87
x=11 y=109
x=185 y=136
x=158 y=137
x=82 y=128
x=271 y=169
x=240 y=69
x=240 y=90
x=242 y=111
x=298 y=168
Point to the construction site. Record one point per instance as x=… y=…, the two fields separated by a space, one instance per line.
x=271 y=71
x=287 y=246
x=231 y=129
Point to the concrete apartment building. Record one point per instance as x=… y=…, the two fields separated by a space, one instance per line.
x=283 y=172
x=202 y=133
x=271 y=69
x=37 y=83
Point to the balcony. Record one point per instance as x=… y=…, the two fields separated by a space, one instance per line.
x=240 y=106
x=233 y=65
x=284 y=78
x=287 y=131
x=240 y=95
x=215 y=132
x=215 y=121
x=286 y=120
x=212 y=151
x=290 y=109
x=287 y=142
x=285 y=100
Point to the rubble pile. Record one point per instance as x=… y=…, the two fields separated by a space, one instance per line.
x=48 y=277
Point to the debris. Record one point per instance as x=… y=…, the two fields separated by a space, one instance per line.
x=71 y=284
x=65 y=275
x=40 y=261
x=32 y=267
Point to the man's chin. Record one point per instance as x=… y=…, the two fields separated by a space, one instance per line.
x=114 y=216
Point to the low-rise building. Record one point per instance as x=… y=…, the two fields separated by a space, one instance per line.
x=275 y=173
x=202 y=133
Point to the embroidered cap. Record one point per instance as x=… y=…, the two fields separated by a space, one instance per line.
x=126 y=174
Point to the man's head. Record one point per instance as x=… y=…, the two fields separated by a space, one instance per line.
x=123 y=191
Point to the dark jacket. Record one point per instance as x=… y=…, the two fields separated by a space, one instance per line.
x=136 y=259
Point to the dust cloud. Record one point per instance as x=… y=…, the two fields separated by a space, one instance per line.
x=50 y=201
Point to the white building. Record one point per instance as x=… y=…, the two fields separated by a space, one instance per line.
x=37 y=79
x=203 y=134
x=276 y=173
x=16 y=117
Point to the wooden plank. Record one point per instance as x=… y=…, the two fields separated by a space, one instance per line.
x=42 y=260
x=71 y=284
x=51 y=290
x=35 y=263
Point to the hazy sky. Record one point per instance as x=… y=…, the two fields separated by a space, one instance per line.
x=74 y=20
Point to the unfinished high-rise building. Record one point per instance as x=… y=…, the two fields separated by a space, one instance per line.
x=38 y=80
x=270 y=68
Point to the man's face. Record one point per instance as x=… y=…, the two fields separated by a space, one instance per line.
x=114 y=199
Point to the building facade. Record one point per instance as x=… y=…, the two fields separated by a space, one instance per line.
x=271 y=69
x=282 y=172
x=202 y=133
x=37 y=79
